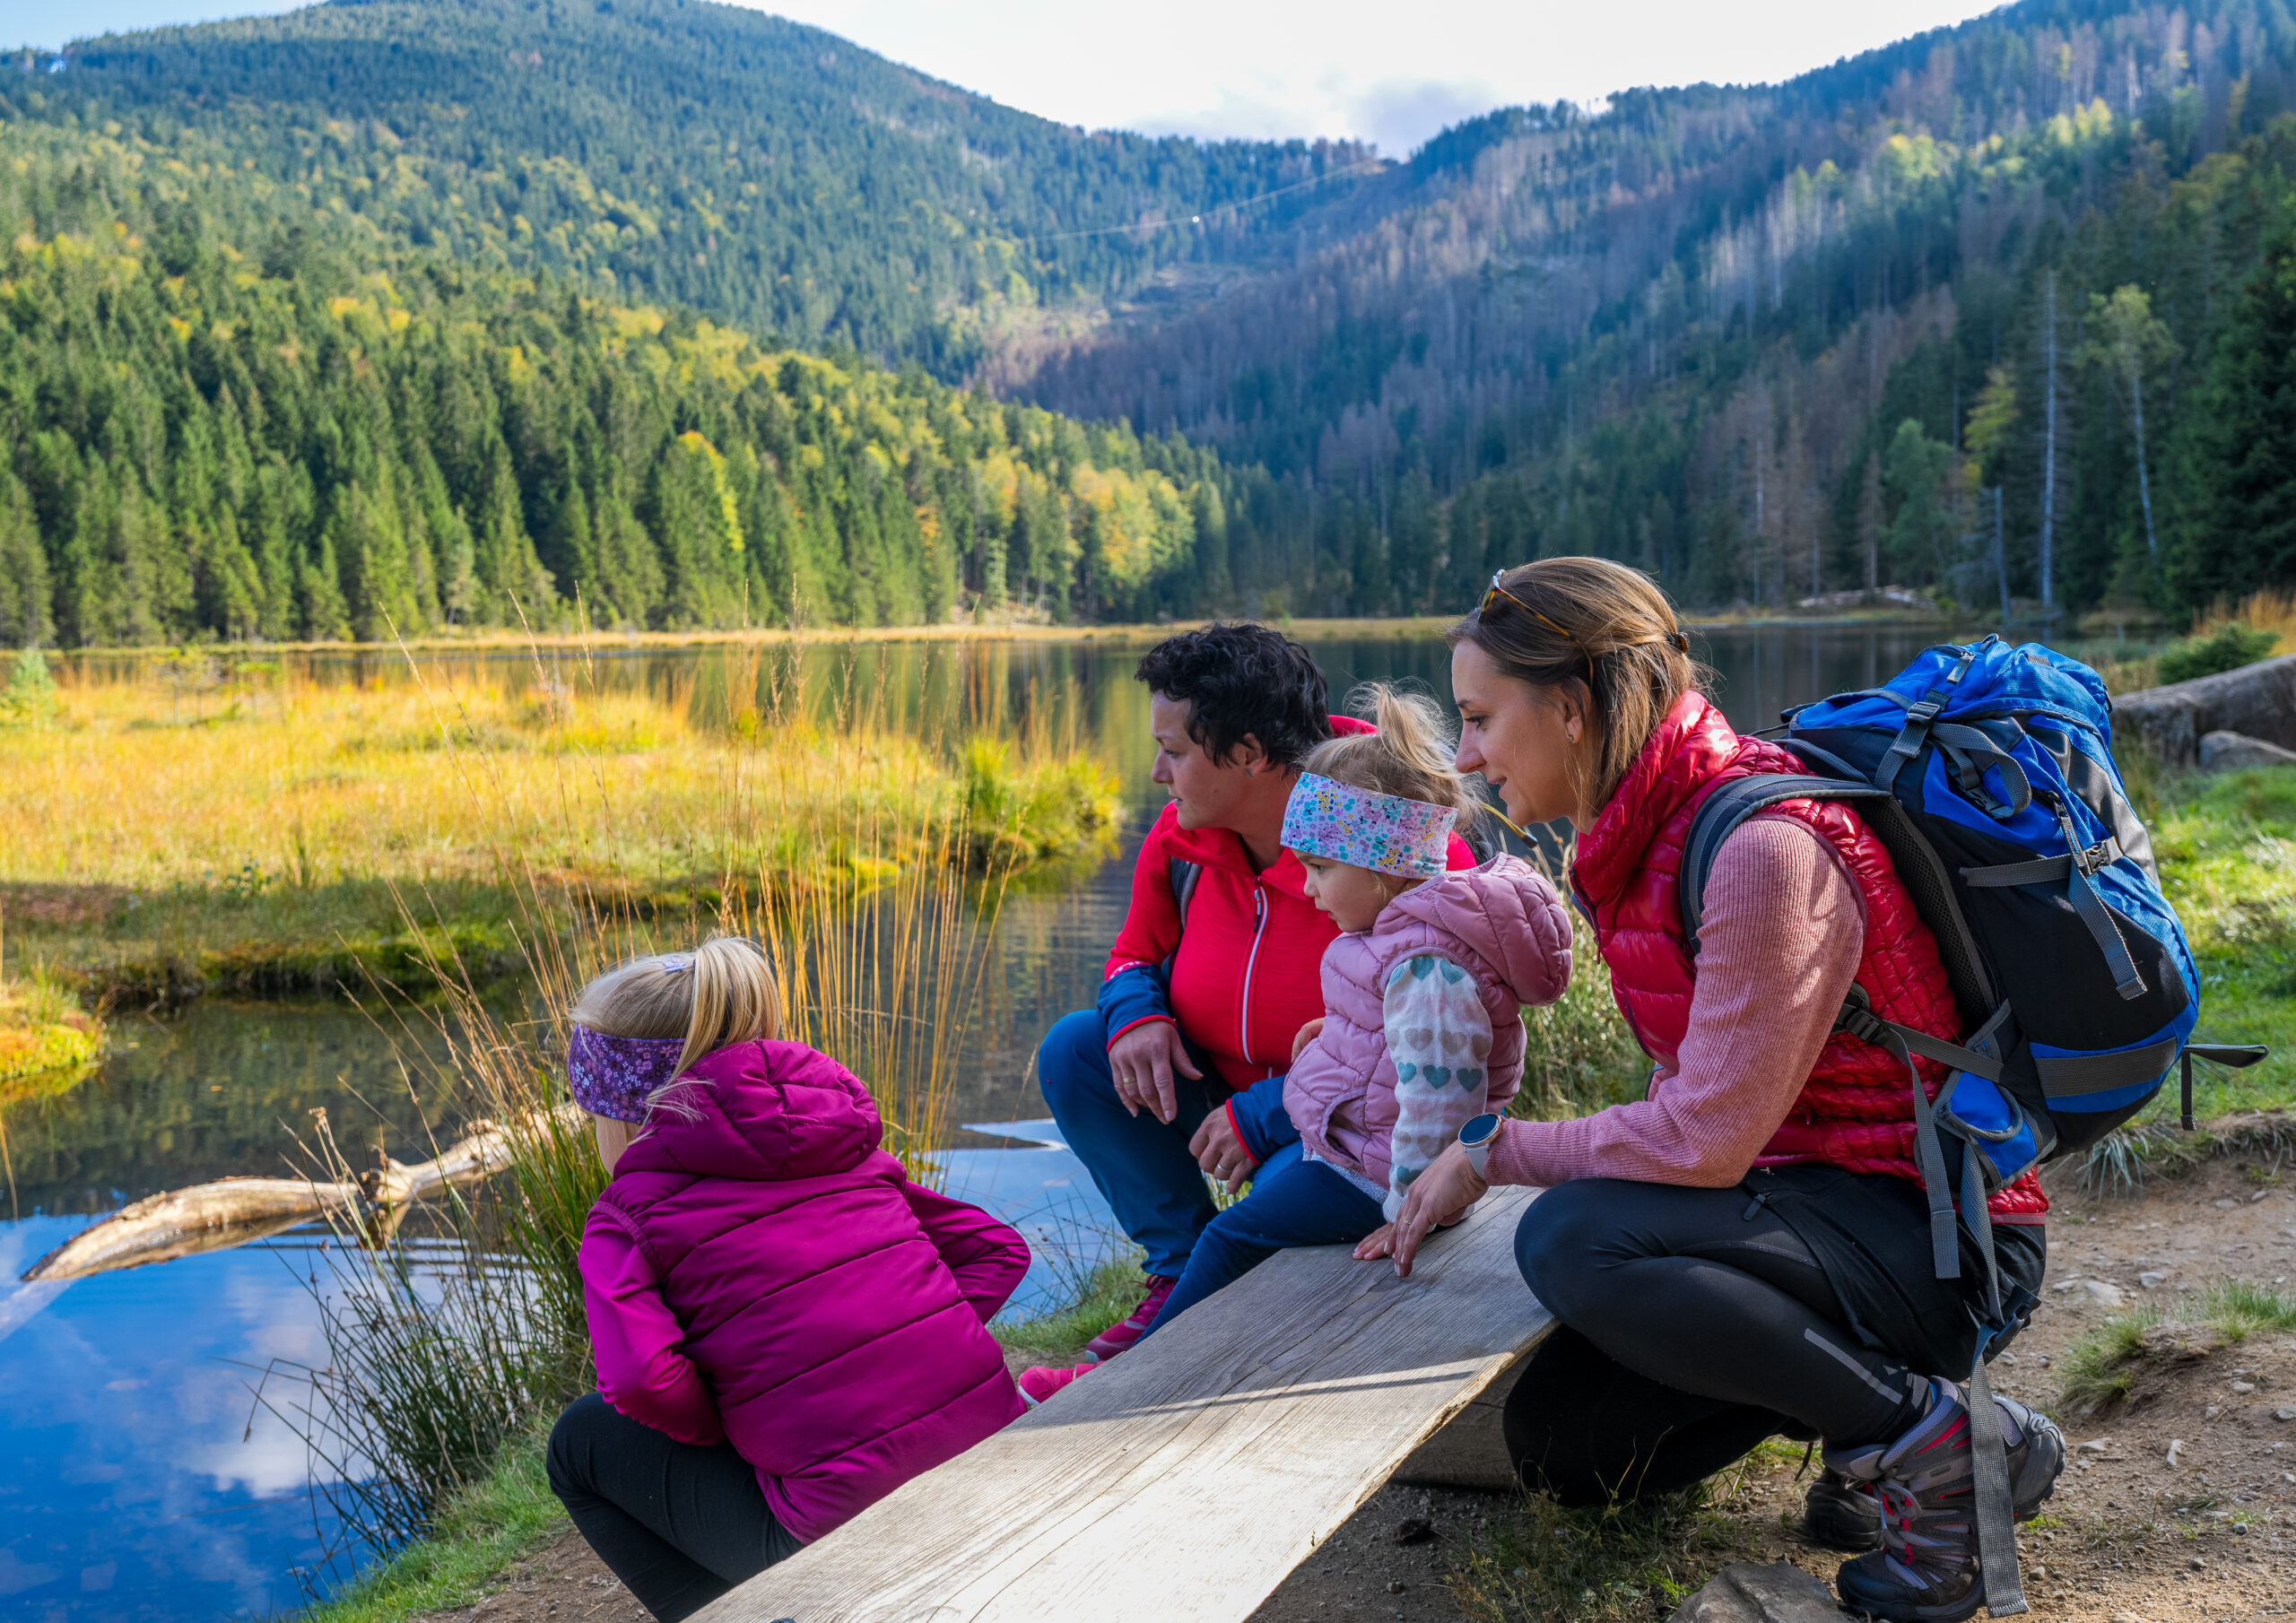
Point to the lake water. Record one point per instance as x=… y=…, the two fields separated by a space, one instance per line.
x=140 y=1479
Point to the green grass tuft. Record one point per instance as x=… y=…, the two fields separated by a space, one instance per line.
x=500 y=1520
x=2239 y=1308
x=1100 y=1298
x=2101 y=1367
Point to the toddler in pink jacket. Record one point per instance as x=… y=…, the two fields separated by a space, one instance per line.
x=1423 y=992
x=785 y=1328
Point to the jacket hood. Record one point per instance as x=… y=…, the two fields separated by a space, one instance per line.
x=1505 y=913
x=762 y=1112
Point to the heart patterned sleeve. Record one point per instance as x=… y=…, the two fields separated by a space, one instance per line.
x=1439 y=1039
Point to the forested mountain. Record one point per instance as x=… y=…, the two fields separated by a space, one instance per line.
x=771 y=174
x=1689 y=331
x=2003 y=310
x=229 y=415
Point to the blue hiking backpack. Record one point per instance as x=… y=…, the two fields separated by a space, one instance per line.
x=1987 y=771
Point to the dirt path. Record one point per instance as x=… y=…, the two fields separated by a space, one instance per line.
x=2132 y=1536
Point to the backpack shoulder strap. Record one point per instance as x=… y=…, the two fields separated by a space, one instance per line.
x=1726 y=809
x=1184 y=875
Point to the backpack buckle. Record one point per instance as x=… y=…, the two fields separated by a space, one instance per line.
x=2104 y=854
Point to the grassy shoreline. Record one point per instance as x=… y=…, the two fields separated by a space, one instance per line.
x=278 y=836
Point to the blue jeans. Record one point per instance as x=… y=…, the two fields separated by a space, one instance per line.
x=1141 y=1165
x=1292 y=1202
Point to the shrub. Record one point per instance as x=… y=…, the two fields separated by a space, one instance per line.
x=2228 y=647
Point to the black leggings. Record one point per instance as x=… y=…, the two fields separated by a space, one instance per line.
x=1694 y=1323
x=679 y=1525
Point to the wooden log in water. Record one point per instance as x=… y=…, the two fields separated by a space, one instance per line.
x=234 y=1211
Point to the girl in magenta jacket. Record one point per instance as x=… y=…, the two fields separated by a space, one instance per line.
x=785 y=1328
x=1422 y=994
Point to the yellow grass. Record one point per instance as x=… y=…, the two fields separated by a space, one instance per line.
x=289 y=782
x=2271 y=610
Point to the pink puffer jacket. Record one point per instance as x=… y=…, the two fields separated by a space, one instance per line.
x=1501 y=923
x=760 y=1272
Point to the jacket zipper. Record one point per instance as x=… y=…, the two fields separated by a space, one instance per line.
x=1251 y=962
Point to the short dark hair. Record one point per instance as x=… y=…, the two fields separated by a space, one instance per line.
x=1241 y=679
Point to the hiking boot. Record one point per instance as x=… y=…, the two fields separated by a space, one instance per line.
x=1041 y=1380
x=1842 y=1514
x=1120 y=1336
x=1926 y=1569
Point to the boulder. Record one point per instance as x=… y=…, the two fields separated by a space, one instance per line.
x=2223 y=752
x=1746 y=1593
x=2258 y=701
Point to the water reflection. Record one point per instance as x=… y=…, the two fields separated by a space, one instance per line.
x=137 y=1482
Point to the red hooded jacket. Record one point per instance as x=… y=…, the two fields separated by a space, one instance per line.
x=1246 y=972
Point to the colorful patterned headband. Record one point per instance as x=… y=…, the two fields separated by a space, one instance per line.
x=613 y=1076
x=1368 y=830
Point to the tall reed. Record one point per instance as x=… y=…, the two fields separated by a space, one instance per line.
x=440 y=1347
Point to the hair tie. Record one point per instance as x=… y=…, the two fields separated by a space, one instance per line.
x=675 y=963
x=1679 y=640
x=1367 y=829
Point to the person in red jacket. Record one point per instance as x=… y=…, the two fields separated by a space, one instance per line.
x=1179 y=1071
x=1745 y=1251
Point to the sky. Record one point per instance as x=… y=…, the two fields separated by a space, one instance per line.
x=1390 y=73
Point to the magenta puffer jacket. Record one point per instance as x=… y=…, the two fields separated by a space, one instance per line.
x=759 y=1272
x=1501 y=923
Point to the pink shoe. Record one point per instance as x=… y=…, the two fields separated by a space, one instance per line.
x=1041 y=1381
x=1120 y=1336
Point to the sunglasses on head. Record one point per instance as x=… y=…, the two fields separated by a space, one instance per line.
x=1678 y=640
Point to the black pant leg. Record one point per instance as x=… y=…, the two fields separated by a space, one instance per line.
x=681 y=1525
x=1581 y=1425
x=1705 y=1294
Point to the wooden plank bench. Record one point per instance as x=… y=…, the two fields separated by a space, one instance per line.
x=1191 y=1475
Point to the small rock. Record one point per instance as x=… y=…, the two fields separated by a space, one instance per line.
x=1744 y=1592
x=2104 y=1291
x=2225 y=750
x=2126 y=1617
x=2151 y=1281
x=2197 y=1563
x=1397 y=1587
x=2284 y=1414
x=2210 y=1412
x=2243 y=1387
x=1413 y=1530
x=2007 y=1360
x=2096 y=1445
x=2226 y=1205
x=2240 y=1527
x=2259 y=1195
x=2064 y=1284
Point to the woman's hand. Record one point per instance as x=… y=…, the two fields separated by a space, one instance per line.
x=1307 y=1034
x=1219 y=1152
x=1441 y=1194
x=1143 y=1060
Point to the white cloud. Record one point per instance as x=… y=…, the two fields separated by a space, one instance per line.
x=1265 y=68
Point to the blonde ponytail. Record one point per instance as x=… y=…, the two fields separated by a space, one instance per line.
x=723 y=992
x=1409 y=755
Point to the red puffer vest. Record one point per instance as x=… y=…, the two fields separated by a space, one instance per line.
x=1855 y=1110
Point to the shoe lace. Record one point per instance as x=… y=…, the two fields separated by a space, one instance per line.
x=1153 y=1302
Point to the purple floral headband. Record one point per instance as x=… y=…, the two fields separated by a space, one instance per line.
x=1367 y=829
x=613 y=1076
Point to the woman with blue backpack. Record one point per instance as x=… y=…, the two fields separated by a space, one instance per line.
x=1824 y=1215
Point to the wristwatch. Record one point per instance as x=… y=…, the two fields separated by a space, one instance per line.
x=1476 y=1138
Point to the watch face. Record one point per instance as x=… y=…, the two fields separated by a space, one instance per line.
x=1481 y=1130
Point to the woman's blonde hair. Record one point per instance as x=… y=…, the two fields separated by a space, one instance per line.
x=1409 y=755
x=1598 y=627
x=722 y=991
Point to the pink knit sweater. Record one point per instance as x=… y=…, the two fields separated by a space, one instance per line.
x=1779 y=944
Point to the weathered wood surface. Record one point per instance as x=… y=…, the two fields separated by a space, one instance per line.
x=238 y=1212
x=1188 y=1477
